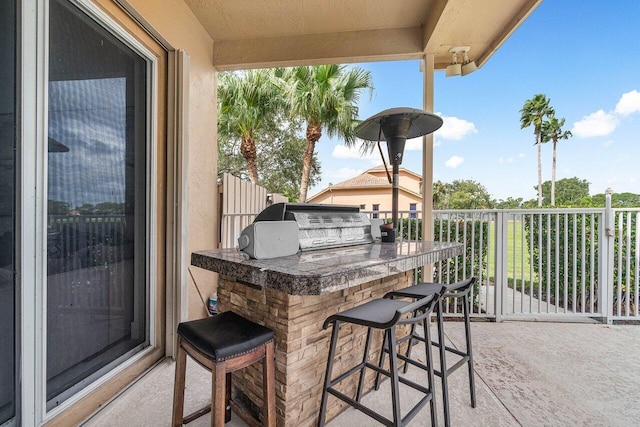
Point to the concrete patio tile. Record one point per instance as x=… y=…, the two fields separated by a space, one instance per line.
x=560 y=373
x=527 y=374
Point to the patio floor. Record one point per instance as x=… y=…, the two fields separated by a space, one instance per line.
x=527 y=374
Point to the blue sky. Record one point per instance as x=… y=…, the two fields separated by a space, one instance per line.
x=584 y=55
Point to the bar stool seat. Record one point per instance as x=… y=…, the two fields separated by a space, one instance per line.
x=462 y=290
x=381 y=314
x=222 y=344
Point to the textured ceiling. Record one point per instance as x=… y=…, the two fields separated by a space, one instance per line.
x=254 y=33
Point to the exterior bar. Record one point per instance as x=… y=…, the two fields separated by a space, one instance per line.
x=293 y=295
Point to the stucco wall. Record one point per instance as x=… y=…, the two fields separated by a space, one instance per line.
x=368 y=197
x=175 y=22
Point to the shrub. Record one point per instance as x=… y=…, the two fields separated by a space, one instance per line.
x=560 y=248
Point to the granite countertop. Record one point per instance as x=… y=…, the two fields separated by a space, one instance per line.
x=328 y=270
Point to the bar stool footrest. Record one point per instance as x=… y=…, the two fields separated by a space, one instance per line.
x=197 y=414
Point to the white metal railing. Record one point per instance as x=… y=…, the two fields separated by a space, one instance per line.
x=88 y=249
x=625 y=264
x=541 y=263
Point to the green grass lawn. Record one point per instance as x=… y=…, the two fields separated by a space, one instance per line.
x=517 y=254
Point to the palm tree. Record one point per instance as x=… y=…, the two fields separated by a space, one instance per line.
x=532 y=113
x=245 y=101
x=552 y=131
x=326 y=98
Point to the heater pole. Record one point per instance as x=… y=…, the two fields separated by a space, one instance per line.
x=394 y=194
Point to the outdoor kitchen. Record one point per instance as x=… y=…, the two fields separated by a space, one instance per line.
x=294 y=294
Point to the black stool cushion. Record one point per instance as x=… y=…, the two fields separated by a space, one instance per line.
x=419 y=290
x=377 y=313
x=224 y=336
x=424 y=289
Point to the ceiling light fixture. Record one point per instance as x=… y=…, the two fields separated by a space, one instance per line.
x=464 y=68
x=467 y=66
x=455 y=69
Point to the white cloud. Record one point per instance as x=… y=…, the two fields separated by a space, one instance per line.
x=521 y=155
x=507 y=160
x=595 y=124
x=454 y=162
x=455 y=128
x=632 y=180
x=437 y=143
x=629 y=103
x=341 y=151
x=608 y=143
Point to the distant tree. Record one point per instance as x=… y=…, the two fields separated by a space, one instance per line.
x=440 y=191
x=245 y=101
x=56 y=207
x=283 y=165
x=86 y=209
x=552 y=131
x=326 y=98
x=509 y=203
x=279 y=156
x=533 y=113
x=618 y=200
x=461 y=194
x=109 y=208
x=570 y=191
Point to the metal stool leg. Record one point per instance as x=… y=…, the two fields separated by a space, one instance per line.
x=443 y=363
x=327 y=375
x=365 y=357
x=467 y=330
x=429 y=359
x=393 y=368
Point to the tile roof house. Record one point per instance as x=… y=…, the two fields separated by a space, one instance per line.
x=371 y=191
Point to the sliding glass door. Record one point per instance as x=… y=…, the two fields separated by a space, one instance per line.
x=8 y=147
x=96 y=291
x=82 y=223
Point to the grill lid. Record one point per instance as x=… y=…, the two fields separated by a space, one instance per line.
x=322 y=226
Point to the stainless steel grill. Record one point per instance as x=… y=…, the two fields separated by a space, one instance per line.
x=322 y=226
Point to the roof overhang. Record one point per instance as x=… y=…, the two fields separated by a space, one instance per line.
x=256 y=34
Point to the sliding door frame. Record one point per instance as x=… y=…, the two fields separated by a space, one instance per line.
x=31 y=207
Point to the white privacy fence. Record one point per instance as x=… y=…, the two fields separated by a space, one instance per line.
x=240 y=202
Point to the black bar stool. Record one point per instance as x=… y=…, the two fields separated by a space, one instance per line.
x=383 y=314
x=222 y=344
x=455 y=290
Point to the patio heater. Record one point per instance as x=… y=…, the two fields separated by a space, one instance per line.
x=395 y=125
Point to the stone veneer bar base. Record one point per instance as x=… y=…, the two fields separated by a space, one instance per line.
x=302 y=345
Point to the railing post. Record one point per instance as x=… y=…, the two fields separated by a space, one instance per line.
x=500 y=273
x=605 y=279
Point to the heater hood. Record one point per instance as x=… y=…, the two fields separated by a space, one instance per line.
x=400 y=122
